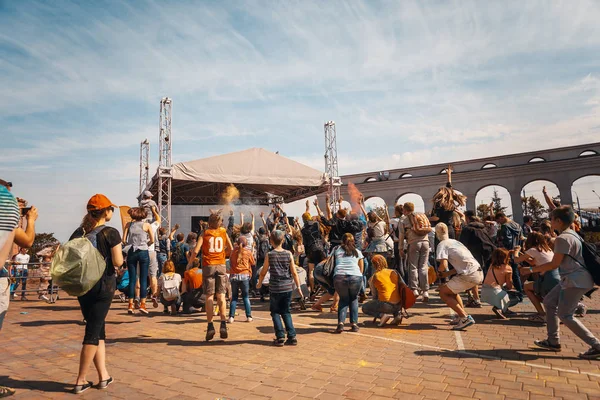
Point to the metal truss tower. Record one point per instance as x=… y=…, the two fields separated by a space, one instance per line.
x=144 y=165
x=164 y=162
x=331 y=164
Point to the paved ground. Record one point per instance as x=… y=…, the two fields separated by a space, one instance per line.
x=161 y=357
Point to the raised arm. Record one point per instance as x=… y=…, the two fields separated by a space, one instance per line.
x=328 y=207
x=241 y=218
x=319 y=212
x=264 y=221
x=308 y=205
x=253 y=220
x=549 y=200
x=156 y=215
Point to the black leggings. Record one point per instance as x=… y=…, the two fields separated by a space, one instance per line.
x=94 y=307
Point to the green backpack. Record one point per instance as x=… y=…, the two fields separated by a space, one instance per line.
x=78 y=265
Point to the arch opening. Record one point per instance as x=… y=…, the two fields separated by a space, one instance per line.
x=586 y=201
x=374 y=203
x=371 y=179
x=489 y=165
x=495 y=195
x=405 y=175
x=533 y=200
x=414 y=198
x=536 y=160
x=588 y=153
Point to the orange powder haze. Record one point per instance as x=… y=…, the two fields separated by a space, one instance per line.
x=355 y=195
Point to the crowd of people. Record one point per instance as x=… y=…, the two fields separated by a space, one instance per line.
x=339 y=255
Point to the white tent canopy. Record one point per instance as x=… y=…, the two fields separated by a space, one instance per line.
x=258 y=174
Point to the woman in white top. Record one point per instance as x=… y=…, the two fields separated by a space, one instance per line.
x=537 y=252
x=169 y=284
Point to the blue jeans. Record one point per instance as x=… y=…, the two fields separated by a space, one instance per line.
x=162 y=259
x=347 y=287
x=281 y=308
x=244 y=285
x=134 y=258
x=21 y=276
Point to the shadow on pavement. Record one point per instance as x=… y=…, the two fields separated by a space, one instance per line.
x=49 y=307
x=504 y=354
x=185 y=343
x=45 y=386
x=67 y=322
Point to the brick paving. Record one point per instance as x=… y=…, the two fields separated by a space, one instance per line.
x=162 y=357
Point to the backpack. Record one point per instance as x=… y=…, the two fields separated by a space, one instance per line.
x=591 y=257
x=329 y=266
x=177 y=254
x=263 y=248
x=78 y=265
x=420 y=224
x=170 y=288
x=288 y=243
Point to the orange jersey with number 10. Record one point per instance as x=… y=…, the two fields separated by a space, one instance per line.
x=213 y=246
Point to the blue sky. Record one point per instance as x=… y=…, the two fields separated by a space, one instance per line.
x=408 y=83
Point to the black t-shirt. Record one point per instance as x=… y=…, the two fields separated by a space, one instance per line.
x=107 y=238
x=311 y=236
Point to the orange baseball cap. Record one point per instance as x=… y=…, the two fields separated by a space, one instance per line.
x=99 y=202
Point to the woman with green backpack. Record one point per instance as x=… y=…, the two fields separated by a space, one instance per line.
x=96 y=302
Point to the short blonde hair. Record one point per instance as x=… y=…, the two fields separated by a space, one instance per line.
x=441 y=231
x=408 y=207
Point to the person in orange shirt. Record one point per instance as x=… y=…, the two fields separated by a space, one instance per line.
x=385 y=284
x=192 y=289
x=241 y=261
x=214 y=244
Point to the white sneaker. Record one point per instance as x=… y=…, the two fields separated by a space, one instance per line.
x=45 y=298
x=230 y=320
x=455 y=319
x=416 y=293
x=384 y=319
x=425 y=297
x=397 y=320
x=249 y=319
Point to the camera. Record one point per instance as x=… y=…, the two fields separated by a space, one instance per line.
x=25 y=210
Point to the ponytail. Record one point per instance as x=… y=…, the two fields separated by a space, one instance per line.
x=90 y=220
x=349 y=246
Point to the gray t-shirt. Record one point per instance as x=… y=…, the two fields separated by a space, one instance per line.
x=572 y=272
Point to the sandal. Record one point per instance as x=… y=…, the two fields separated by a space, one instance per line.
x=6 y=391
x=537 y=318
x=317 y=308
x=104 y=384
x=82 y=388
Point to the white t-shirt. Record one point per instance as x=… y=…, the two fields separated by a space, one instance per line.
x=154 y=226
x=21 y=259
x=540 y=257
x=458 y=256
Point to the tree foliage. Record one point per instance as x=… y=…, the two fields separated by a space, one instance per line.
x=41 y=241
x=534 y=208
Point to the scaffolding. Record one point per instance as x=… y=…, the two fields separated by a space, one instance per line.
x=331 y=165
x=164 y=163
x=144 y=165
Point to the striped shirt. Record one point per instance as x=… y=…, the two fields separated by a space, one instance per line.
x=280 y=280
x=9 y=211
